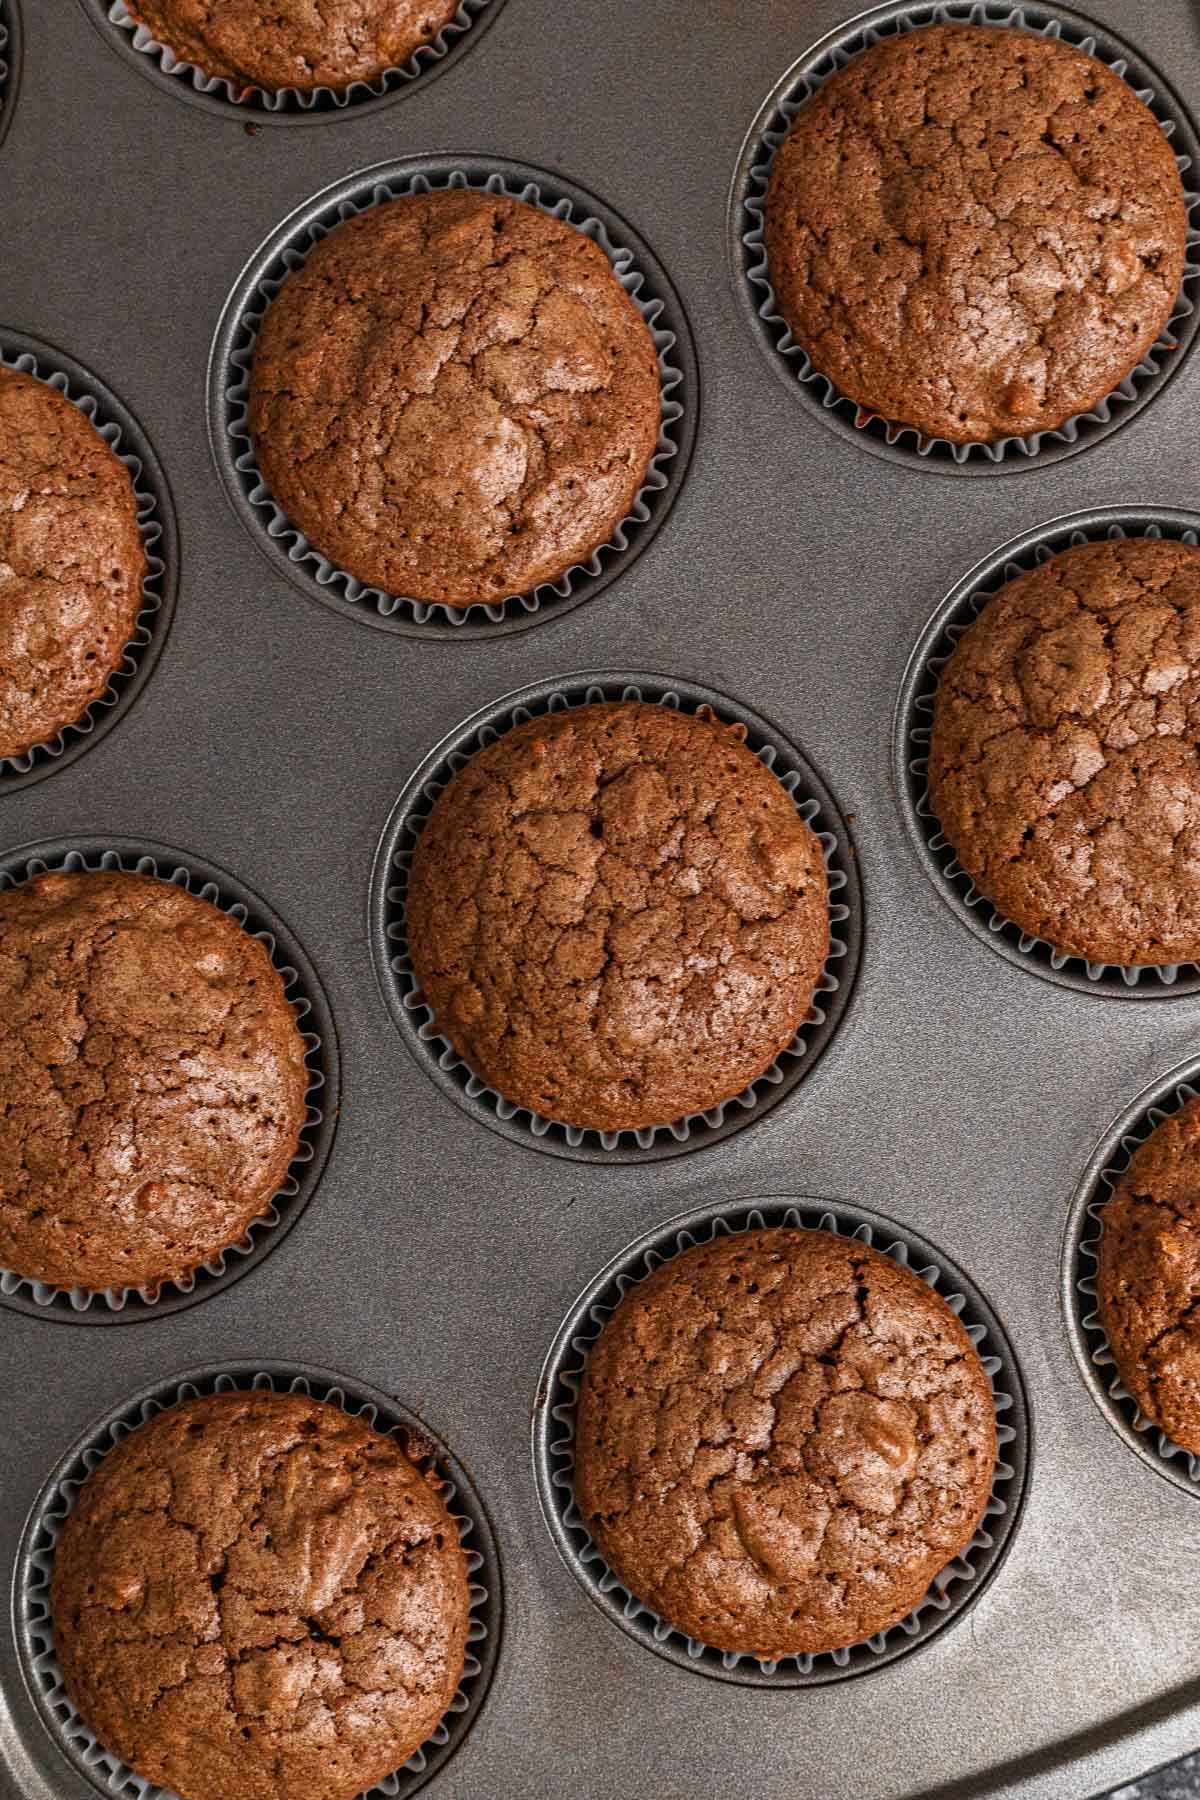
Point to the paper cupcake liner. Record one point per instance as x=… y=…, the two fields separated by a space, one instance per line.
x=285 y=251
x=157 y=526
x=951 y=1592
x=904 y=442
x=913 y=726
x=6 y=97
x=116 y=24
x=125 y=1304
x=437 y=1056
x=104 y=1771
x=1081 y=1257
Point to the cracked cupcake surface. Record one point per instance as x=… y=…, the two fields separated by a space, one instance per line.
x=301 y=44
x=258 y=1596
x=617 y=914
x=71 y=562
x=781 y=1437
x=454 y=399
x=1063 y=759
x=1148 y=1282
x=153 y=1079
x=976 y=232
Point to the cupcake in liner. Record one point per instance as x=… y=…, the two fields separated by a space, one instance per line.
x=887 y=436
x=124 y=1304
x=955 y=1588
x=438 y=1056
x=158 y=539
x=913 y=726
x=39 y=1664
x=233 y=357
x=274 y=103
x=1081 y=1263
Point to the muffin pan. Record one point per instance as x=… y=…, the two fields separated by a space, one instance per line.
x=953 y=1590
x=914 y=714
x=137 y=44
x=415 y=1021
x=156 y=522
x=39 y=1665
x=815 y=390
x=233 y=353
x=959 y=1098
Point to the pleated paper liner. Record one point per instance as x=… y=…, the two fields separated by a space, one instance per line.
x=125 y=1305
x=103 y=1771
x=952 y=1592
x=291 y=553
x=817 y=392
x=910 y=752
x=415 y=1021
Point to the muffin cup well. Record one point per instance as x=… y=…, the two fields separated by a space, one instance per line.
x=112 y=1306
x=910 y=751
x=156 y=522
x=884 y=437
x=1081 y=1256
x=10 y=59
x=104 y=1772
x=951 y=1592
x=638 y=272
x=286 y=105
x=414 y=1019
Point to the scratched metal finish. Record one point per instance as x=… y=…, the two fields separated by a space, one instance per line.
x=961 y=1096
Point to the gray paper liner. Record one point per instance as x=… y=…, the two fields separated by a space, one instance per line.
x=276 y=101
x=40 y=1664
x=939 y=453
x=951 y=1590
x=290 y=1199
x=1178 y=1464
x=234 y=425
x=154 y=616
x=439 y=1048
x=4 y=70
x=914 y=726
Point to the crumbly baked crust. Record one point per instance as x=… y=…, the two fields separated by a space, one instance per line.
x=455 y=399
x=294 y=43
x=978 y=232
x=71 y=562
x=617 y=914
x=1063 y=759
x=1148 y=1282
x=257 y=1596
x=781 y=1437
x=153 y=1078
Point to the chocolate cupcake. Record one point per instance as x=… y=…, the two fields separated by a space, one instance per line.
x=71 y=562
x=1063 y=755
x=454 y=399
x=294 y=44
x=154 y=1081
x=257 y=1595
x=781 y=1437
x=976 y=232
x=1148 y=1281
x=617 y=915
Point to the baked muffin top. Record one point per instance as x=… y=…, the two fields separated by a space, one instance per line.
x=153 y=1076
x=781 y=1437
x=1063 y=759
x=71 y=562
x=1148 y=1282
x=294 y=43
x=617 y=914
x=454 y=399
x=257 y=1596
x=978 y=232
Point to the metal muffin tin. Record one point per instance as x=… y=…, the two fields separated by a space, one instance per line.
x=437 y=1258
